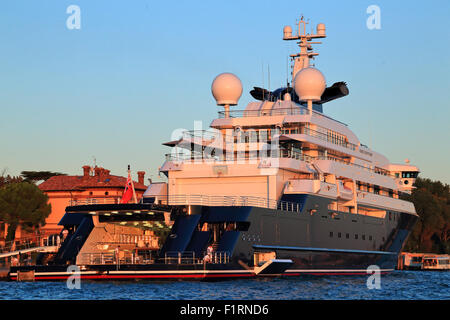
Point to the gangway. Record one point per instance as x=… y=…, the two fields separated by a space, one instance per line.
x=32 y=244
x=23 y=251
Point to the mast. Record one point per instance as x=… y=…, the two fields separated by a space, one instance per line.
x=301 y=59
x=132 y=185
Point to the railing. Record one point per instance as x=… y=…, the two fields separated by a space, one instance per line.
x=88 y=201
x=177 y=257
x=171 y=257
x=97 y=258
x=253 y=136
x=234 y=201
x=281 y=153
x=328 y=138
x=294 y=110
x=31 y=242
x=189 y=257
x=112 y=258
x=121 y=238
x=203 y=134
x=284 y=153
x=187 y=156
x=372 y=170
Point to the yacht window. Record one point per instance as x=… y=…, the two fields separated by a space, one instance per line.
x=376 y=189
x=242 y=225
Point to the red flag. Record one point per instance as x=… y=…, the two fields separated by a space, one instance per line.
x=128 y=192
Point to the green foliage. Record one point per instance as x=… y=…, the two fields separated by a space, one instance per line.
x=4 y=180
x=33 y=176
x=24 y=204
x=432 y=231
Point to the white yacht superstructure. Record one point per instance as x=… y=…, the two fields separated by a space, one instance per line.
x=282 y=146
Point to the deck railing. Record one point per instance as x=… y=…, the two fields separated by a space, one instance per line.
x=31 y=242
x=172 y=257
x=294 y=110
x=281 y=153
x=99 y=200
x=233 y=201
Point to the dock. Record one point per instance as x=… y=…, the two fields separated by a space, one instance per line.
x=4 y=273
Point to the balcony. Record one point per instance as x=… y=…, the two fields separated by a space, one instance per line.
x=233 y=201
x=294 y=110
x=322 y=136
x=281 y=153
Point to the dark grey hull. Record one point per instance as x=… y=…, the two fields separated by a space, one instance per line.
x=320 y=242
x=310 y=240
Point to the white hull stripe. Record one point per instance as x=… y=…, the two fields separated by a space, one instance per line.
x=200 y=272
x=140 y=272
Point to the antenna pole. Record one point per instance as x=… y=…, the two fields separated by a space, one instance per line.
x=301 y=59
x=262 y=69
x=132 y=184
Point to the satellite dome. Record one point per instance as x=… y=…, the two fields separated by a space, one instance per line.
x=287 y=32
x=226 y=89
x=321 y=29
x=309 y=84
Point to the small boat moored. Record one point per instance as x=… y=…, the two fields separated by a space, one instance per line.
x=436 y=262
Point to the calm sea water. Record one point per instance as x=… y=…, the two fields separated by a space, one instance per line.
x=399 y=285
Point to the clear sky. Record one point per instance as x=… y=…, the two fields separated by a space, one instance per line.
x=116 y=88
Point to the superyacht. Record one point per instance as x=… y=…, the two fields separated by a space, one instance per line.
x=275 y=189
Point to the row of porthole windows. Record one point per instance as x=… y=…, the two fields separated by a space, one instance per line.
x=347 y=236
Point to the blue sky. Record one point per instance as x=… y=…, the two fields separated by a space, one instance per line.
x=136 y=70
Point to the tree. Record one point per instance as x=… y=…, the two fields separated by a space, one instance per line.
x=432 y=231
x=7 y=179
x=33 y=176
x=24 y=204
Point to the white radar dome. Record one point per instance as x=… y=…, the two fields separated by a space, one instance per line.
x=309 y=84
x=321 y=29
x=287 y=32
x=226 y=89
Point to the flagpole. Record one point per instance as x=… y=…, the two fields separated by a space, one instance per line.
x=132 y=184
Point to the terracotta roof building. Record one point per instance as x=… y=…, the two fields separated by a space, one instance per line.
x=96 y=185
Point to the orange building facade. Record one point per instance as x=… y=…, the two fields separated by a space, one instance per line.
x=96 y=185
